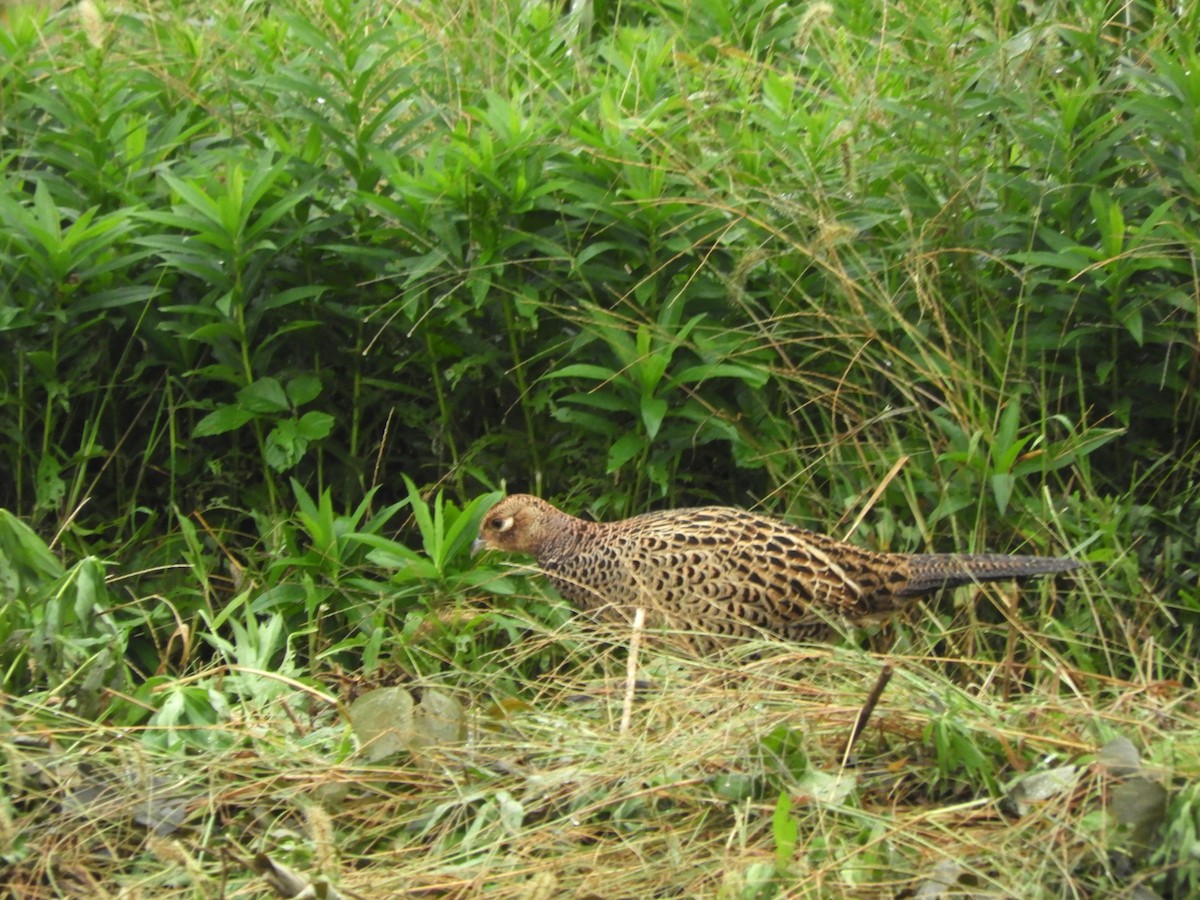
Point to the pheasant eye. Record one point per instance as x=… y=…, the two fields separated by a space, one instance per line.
x=501 y=523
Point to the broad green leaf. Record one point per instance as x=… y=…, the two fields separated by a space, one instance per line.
x=624 y=449
x=285 y=445
x=266 y=395
x=1006 y=430
x=314 y=426
x=583 y=370
x=785 y=830
x=595 y=423
x=198 y=201
x=610 y=401
x=654 y=410
x=221 y=420
x=1132 y=321
x=24 y=556
x=51 y=488
x=303 y=388
x=755 y=377
x=420 y=509
x=1002 y=487
x=214 y=331
x=292 y=295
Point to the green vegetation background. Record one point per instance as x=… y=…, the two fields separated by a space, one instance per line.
x=289 y=292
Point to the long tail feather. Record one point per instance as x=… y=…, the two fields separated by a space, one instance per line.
x=931 y=571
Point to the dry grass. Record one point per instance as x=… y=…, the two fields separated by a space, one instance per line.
x=549 y=799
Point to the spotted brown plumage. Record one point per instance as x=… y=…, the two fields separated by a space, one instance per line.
x=715 y=572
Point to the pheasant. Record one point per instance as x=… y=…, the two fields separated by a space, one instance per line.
x=716 y=573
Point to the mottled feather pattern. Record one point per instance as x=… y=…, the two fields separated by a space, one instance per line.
x=722 y=572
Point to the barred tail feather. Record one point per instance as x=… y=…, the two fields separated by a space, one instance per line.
x=931 y=571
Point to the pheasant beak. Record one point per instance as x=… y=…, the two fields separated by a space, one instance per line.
x=477 y=545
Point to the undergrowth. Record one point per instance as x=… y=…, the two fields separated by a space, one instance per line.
x=293 y=291
x=731 y=781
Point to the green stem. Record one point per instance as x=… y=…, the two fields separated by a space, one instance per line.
x=443 y=409
x=518 y=368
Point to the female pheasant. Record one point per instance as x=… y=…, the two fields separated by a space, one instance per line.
x=715 y=573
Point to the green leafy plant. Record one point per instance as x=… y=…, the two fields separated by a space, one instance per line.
x=59 y=633
x=962 y=752
x=267 y=402
x=1178 y=850
x=1009 y=456
x=656 y=378
x=446 y=533
x=786 y=831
